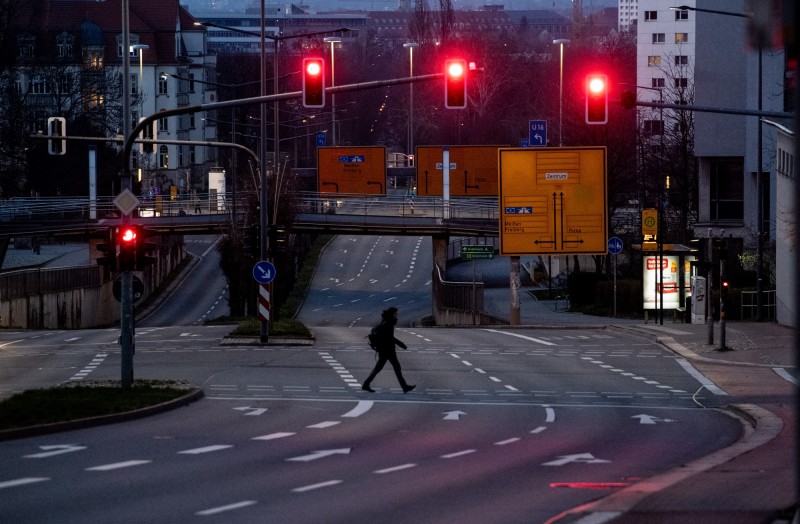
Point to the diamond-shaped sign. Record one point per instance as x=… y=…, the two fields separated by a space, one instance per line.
x=126 y=202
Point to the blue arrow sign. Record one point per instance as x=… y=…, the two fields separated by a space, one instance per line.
x=537 y=133
x=264 y=272
x=519 y=210
x=615 y=245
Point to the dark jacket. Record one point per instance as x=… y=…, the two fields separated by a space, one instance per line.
x=386 y=339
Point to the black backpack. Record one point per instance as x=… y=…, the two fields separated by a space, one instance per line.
x=373 y=338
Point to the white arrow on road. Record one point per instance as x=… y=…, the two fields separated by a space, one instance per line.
x=253 y=411
x=453 y=415
x=650 y=419
x=587 y=458
x=320 y=454
x=57 y=449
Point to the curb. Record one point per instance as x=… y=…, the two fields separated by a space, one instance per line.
x=57 y=427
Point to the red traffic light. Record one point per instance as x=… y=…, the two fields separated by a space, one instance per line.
x=313 y=82
x=596 y=99
x=455 y=84
x=128 y=235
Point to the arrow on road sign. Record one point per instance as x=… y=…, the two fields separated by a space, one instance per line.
x=587 y=458
x=320 y=454
x=253 y=411
x=453 y=415
x=650 y=419
x=57 y=449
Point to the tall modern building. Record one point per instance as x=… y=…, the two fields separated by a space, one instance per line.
x=706 y=53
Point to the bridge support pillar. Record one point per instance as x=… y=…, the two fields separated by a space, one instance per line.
x=439 y=248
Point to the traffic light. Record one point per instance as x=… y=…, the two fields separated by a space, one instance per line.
x=148 y=133
x=56 y=126
x=628 y=99
x=455 y=84
x=127 y=248
x=143 y=247
x=596 y=99
x=313 y=82
x=108 y=248
x=277 y=238
x=251 y=235
x=725 y=287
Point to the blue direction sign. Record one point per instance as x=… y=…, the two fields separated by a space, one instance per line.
x=524 y=210
x=615 y=245
x=537 y=133
x=322 y=138
x=264 y=272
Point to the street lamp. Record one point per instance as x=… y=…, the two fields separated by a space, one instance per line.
x=410 y=46
x=139 y=48
x=759 y=186
x=333 y=40
x=560 y=42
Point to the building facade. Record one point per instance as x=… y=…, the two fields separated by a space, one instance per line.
x=68 y=63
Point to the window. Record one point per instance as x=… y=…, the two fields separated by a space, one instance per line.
x=93 y=59
x=192 y=155
x=26 y=45
x=191 y=120
x=659 y=38
x=38 y=85
x=649 y=16
x=658 y=82
x=191 y=82
x=163 y=125
x=18 y=83
x=163 y=86
x=653 y=127
x=65 y=83
x=134 y=84
x=681 y=38
x=64 y=45
x=681 y=60
x=682 y=14
x=681 y=82
x=163 y=156
x=653 y=61
x=727 y=189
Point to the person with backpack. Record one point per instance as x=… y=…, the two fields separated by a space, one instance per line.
x=384 y=342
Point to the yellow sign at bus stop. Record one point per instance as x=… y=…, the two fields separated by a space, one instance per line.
x=553 y=201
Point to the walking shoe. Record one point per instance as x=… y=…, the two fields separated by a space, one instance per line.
x=367 y=388
x=406 y=389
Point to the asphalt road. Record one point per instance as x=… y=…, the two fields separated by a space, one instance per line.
x=506 y=425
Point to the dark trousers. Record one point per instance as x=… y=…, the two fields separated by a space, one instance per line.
x=383 y=357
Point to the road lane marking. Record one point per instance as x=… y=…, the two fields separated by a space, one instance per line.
x=394 y=468
x=319 y=485
x=222 y=509
x=362 y=407
x=21 y=482
x=785 y=375
x=119 y=465
x=206 y=449
x=274 y=436
x=702 y=379
x=459 y=453
x=525 y=337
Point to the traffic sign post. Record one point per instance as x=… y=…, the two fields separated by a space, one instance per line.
x=264 y=272
x=537 y=133
x=615 y=246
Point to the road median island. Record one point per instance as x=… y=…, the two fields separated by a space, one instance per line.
x=77 y=405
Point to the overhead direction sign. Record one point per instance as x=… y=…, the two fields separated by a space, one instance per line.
x=473 y=170
x=359 y=170
x=565 y=190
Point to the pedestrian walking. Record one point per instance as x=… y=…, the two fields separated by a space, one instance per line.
x=385 y=346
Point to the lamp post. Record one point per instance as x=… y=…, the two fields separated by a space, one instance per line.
x=138 y=49
x=410 y=46
x=333 y=40
x=560 y=42
x=759 y=186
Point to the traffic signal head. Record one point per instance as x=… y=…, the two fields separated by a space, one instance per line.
x=108 y=251
x=455 y=84
x=596 y=99
x=56 y=127
x=127 y=248
x=313 y=82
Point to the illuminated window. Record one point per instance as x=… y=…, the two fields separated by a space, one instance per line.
x=163 y=156
x=653 y=61
x=681 y=38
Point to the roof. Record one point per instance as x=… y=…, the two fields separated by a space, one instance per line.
x=154 y=21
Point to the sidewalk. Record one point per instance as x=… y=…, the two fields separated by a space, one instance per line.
x=50 y=255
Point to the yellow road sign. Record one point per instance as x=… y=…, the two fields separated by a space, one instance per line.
x=553 y=201
x=360 y=170
x=650 y=223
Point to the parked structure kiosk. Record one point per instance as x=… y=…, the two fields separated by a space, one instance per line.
x=671 y=288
